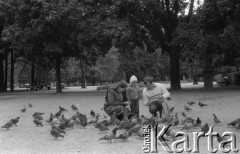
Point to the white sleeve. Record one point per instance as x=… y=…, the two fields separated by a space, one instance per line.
x=145 y=99
x=165 y=92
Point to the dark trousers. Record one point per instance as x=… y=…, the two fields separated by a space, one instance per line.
x=155 y=107
x=135 y=107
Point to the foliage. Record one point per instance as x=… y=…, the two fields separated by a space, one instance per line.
x=107 y=66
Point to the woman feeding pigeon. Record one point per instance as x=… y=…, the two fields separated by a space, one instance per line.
x=154 y=96
x=115 y=103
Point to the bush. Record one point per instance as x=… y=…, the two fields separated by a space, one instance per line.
x=104 y=87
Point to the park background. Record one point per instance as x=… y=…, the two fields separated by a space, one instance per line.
x=63 y=52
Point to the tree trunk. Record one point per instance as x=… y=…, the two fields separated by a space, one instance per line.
x=58 y=74
x=2 y=21
x=33 y=72
x=208 y=79
x=208 y=69
x=195 y=77
x=175 y=69
x=6 y=72
x=1 y=73
x=83 y=79
x=12 y=72
x=93 y=81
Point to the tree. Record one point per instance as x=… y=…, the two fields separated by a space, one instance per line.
x=108 y=65
x=159 y=20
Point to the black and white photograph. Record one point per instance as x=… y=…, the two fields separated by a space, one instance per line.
x=119 y=76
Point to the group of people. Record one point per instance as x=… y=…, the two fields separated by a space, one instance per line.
x=122 y=95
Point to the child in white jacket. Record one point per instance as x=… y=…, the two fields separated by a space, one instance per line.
x=133 y=95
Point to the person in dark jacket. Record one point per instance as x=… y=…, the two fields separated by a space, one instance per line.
x=115 y=104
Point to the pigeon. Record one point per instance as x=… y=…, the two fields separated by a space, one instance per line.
x=187 y=108
x=50 y=118
x=237 y=126
x=124 y=136
x=175 y=121
x=126 y=125
x=71 y=123
x=92 y=113
x=73 y=117
x=221 y=139
x=56 y=133
x=95 y=120
x=215 y=119
x=62 y=109
x=39 y=113
x=233 y=123
x=83 y=120
x=38 y=116
x=62 y=118
x=172 y=134
x=189 y=120
x=63 y=125
x=198 y=121
x=116 y=122
x=141 y=132
x=74 y=107
x=171 y=109
x=101 y=127
x=29 y=104
x=104 y=122
x=78 y=122
x=187 y=126
x=205 y=128
x=8 y=125
x=135 y=129
x=79 y=114
x=110 y=136
x=58 y=129
x=15 y=121
x=58 y=113
x=191 y=103
x=184 y=114
x=23 y=109
x=201 y=104
x=37 y=122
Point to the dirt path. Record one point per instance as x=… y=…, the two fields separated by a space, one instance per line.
x=27 y=138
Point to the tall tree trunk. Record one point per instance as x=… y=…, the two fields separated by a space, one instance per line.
x=1 y=73
x=93 y=81
x=195 y=77
x=208 y=68
x=6 y=72
x=175 y=69
x=2 y=21
x=208 y=77
x=33 y=72
x=58 y=74
x=12 y=72
x=83 y=79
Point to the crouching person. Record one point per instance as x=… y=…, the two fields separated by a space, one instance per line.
x=155 y=95
x=115 y=104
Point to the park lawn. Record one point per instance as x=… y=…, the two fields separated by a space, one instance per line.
x=27 y=138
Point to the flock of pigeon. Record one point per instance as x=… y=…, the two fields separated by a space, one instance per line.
x=189 y=123
x=59 y=123
x=133 y=126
